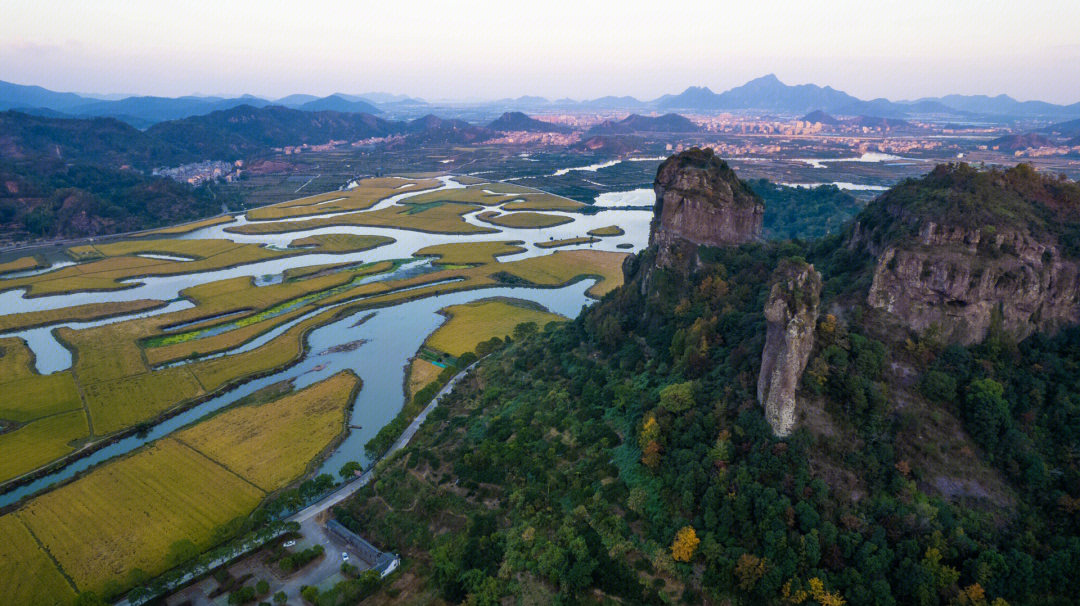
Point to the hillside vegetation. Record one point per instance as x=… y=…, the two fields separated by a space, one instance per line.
x=624 y=457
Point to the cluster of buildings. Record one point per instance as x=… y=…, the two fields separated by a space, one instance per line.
x=198 y=173
x=526 y=137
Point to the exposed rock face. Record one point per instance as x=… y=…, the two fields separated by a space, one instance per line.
x=958 y=280
x=699 y=200
x=962 y=249
x=791 y=312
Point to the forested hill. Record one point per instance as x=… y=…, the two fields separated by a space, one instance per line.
x=624 y=456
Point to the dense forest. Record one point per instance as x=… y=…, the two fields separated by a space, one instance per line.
x=624 y=456
x=804 y=212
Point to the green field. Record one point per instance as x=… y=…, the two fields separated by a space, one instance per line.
x=116 y=261
x=567 y=242
x=186 y=228
x=40 y=442
x=367 y=193
x=76 y=313
x=22 y=264
x=130 y=513
x=523 y=220
x=302 y=423
x=441 y=219
x=127 y=513
x=472 y=323
x=341 y=243
x=610 y=230
x=30 y=576
x=563 y=266
x=470 y=253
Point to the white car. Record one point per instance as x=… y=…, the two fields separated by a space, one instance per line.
x=288 y=543
x=344 y=556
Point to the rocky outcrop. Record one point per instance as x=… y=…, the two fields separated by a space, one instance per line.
x=791 y=313
x=700 y=201
x=962 y=250
x=957 y=282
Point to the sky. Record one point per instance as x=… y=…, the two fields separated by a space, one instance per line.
x=579 y=49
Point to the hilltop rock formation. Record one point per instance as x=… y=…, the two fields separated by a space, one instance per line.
x=700 y=201
x=962 y=249
x=791 y=313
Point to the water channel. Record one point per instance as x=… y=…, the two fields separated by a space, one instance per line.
x=377 y=349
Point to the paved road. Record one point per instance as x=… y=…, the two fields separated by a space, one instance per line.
x=350 y=488
x=313 y=530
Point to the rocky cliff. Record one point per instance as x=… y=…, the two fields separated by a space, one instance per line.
x=791 y=313
x=962 y=249
x=700 y=200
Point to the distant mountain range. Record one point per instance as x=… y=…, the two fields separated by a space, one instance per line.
x=765 y=94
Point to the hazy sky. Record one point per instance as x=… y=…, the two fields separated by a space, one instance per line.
x=1029 y=49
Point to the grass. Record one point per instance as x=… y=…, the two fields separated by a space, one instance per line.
x=121 y=403
x=532 y=199
x=220 y=342
x=40 y=442
x=186 y=228
x=610 y=230
x=443 y=219
x=523 y=220
x=234 y=331
x=120 y=262
x=421 y=372
x=567 y=242
x=271 y=444
x=130 y=512
x=15 y=359
x=22 y=264
x=217 y=372
x=36 y=396
x=76 y=313
x=472 y=323
x=295 y=273
x=464 y=195
x=30 y=576
x=544 y=201
x=470 y=253
x=341 y=243
x=563 y=266
x=127 y=513
x=468 y=180
x=368 y=193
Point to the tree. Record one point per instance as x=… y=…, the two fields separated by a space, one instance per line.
x=262 y=587
x=280 y=597
x=348 y=470
x=310 y=594
x=987 y=410
x=677 y=397
x=650 y=456
x=749 y=571
x=685 y=544
x=181 y=551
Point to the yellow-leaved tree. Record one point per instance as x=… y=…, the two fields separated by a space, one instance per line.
x=685 y=544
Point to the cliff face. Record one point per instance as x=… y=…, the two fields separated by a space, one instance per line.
x=989 y=249
x=791 y=313
x=944 y=281
x=699 y=200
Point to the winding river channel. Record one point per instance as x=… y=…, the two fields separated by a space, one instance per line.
x=376 y=344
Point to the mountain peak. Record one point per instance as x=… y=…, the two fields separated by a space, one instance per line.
x=766 y=79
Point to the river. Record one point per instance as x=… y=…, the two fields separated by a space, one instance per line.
x=389 y=337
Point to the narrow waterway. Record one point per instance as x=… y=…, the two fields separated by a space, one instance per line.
x=377 y=349
x=391 y=336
